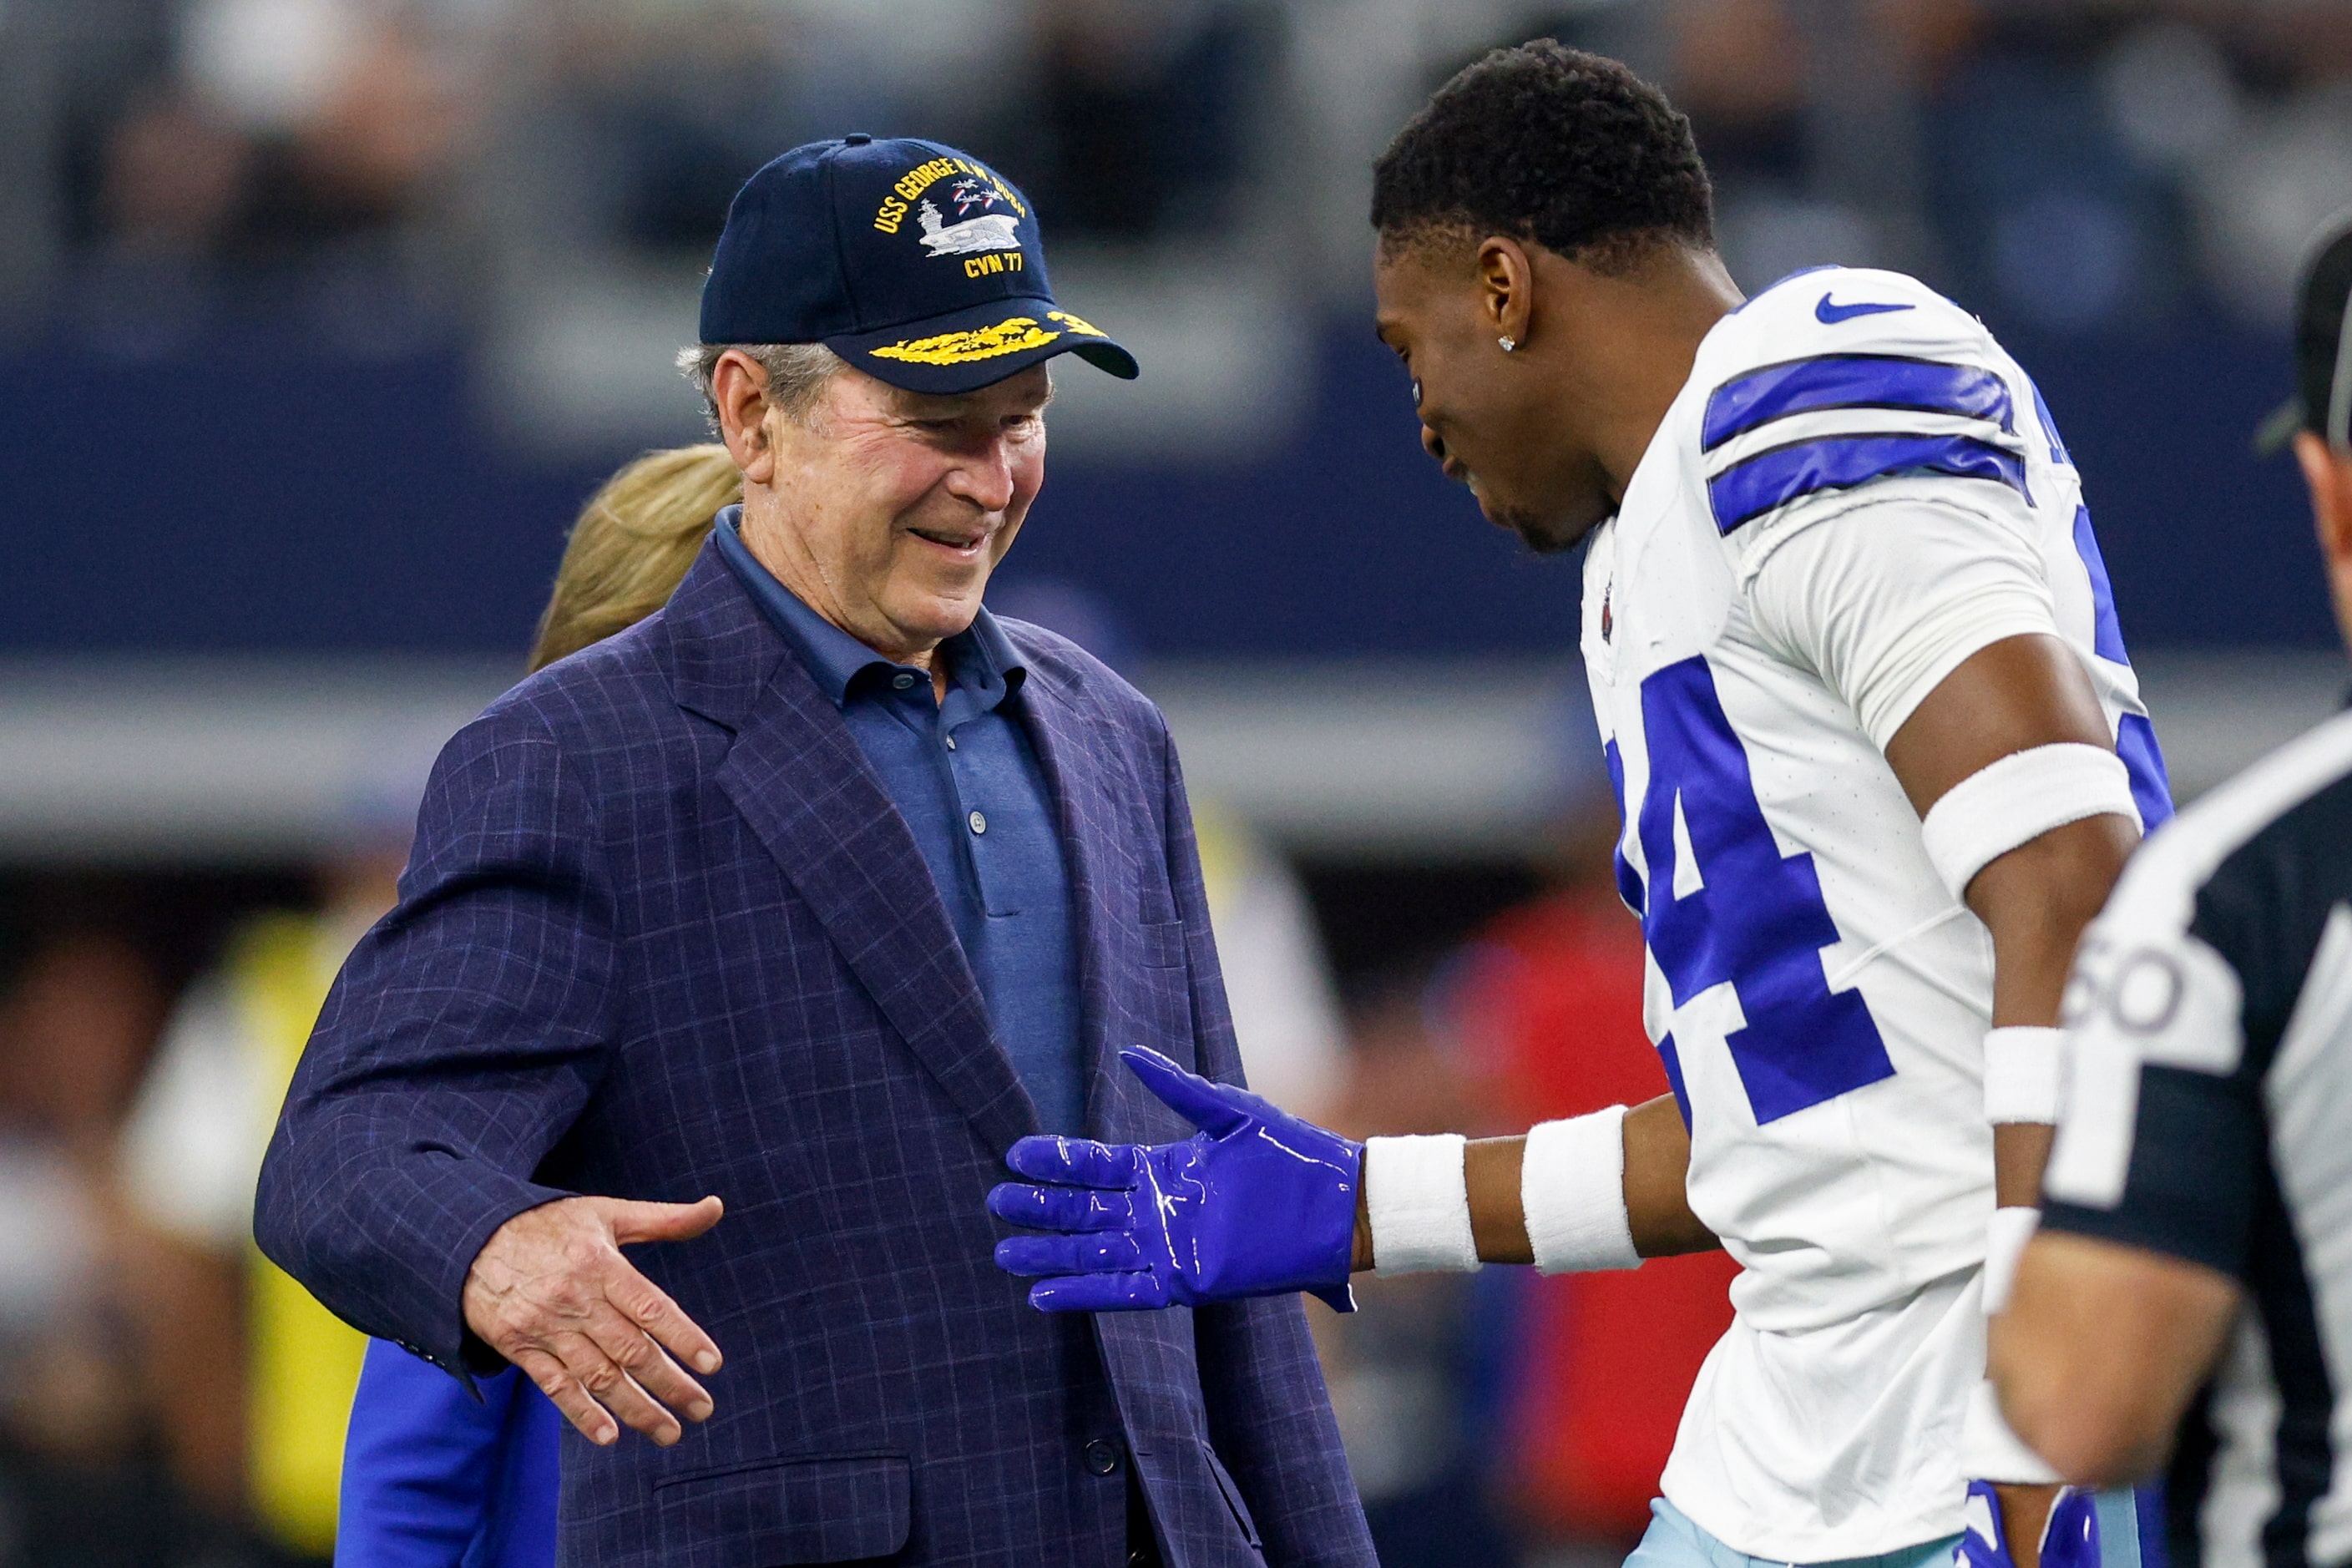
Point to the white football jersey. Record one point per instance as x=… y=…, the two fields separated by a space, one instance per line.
x=1855 y=490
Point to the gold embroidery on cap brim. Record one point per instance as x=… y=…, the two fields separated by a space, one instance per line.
x=980 y=342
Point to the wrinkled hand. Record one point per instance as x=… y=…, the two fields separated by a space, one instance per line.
x=1258 y=1204
x=550 y=1292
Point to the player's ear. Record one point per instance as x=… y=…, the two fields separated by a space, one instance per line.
x=1505 y=290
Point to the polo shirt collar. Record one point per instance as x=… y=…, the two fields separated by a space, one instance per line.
x=982 y=660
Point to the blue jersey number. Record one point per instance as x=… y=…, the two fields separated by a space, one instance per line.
x=1756 y=918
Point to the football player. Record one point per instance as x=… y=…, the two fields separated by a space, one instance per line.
x=1880 y=754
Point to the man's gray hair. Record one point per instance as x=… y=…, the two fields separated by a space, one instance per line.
x=796 y=373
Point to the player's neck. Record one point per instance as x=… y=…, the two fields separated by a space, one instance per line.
x=1657 y=320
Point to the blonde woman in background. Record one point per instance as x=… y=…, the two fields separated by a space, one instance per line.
x=633 y=542
x=429 y=1475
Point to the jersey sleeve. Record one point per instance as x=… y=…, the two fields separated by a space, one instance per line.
x=1864 y=450
x=1885 y=598
x=2161 y=1142
x=1809 y=408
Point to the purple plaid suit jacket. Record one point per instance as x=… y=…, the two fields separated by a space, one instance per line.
x=663 y=934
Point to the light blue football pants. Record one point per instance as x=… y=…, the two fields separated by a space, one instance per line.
x=1672 y=1541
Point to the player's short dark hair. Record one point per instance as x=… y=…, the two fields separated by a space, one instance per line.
x=1546 y=143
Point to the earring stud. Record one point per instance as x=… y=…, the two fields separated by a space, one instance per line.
x=1508 y=343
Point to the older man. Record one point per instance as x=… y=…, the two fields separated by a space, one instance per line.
x=810 y=894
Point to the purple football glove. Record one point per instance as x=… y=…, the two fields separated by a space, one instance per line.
x=2070 y=1536
x=1258 y=1202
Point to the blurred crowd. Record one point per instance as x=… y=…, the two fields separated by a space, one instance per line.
x=122 y=1429
x=343 y=151
x=2083 y=166
x=2087 y=163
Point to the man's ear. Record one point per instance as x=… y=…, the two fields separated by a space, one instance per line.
x=1507 y=281
x=738 y=389
x=2328 y=474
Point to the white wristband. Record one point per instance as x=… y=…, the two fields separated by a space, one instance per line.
x=2005 y=1237
x=1573 y=1190
x=2018 y=799
x=1990 y=1451
x=2020 y=1074
x=1419 y=1199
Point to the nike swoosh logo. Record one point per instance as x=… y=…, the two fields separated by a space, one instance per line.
x=1831 y=315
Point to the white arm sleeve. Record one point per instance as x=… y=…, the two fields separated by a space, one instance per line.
x=1885 y=598
x=1417 y=1193
x=1573 y=1192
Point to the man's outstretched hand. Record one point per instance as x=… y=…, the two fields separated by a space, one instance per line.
x=1259 y=1202
x=550 y=1292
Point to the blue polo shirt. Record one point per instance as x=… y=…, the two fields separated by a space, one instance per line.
x=966 y=778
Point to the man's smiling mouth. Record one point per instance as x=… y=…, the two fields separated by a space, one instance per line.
x=948 y=540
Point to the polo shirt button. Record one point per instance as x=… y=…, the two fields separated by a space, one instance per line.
x=902 y=681
x=979 y=823
x=1102 y=1457
x=950 y=742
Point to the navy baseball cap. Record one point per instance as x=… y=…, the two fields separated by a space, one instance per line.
x=918 y=264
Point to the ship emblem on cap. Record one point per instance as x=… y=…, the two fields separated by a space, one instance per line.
x=985 y=231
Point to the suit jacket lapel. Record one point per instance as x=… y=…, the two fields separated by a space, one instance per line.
x=1069 y=745
x=799 y=779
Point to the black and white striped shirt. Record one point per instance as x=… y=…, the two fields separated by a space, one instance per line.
x=2209 y=1116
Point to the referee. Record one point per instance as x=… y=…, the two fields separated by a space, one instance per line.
x=2197 y=1207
